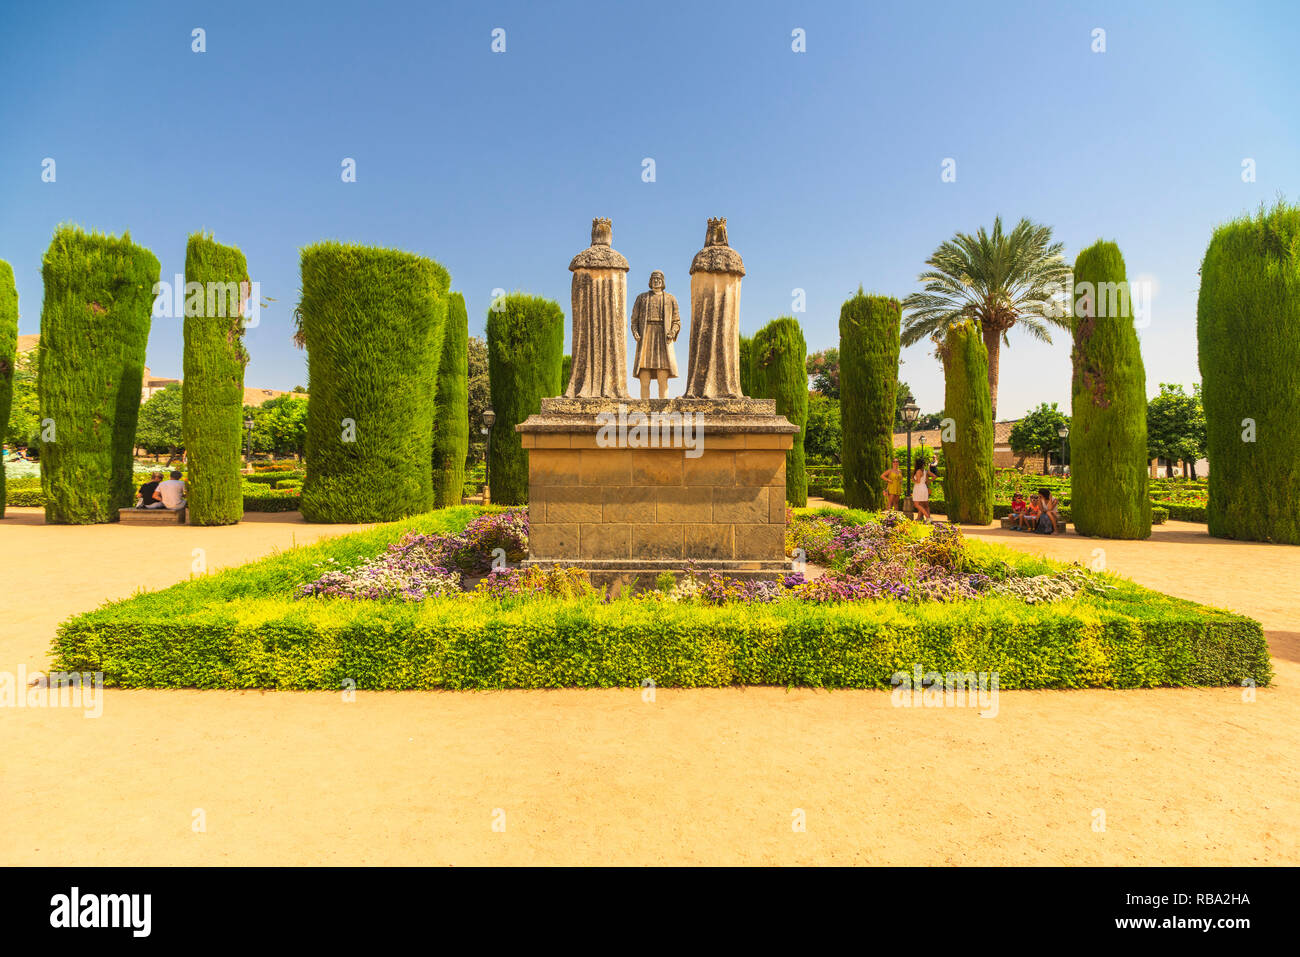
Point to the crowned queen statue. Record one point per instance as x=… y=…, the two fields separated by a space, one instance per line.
x=713 y=370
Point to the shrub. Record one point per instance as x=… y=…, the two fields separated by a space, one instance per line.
x=1248 y=335
x=261 y=498
x=271 y=478
x=869 y=342
x=1108 y=431
x=373 y=327
x=968 y=474
x=94 y=330
x=212 y=403
x=525 y=346
x=779 y=355
x=8 y=357
x=243 y=628
x=451 y=414
x=1182 y=513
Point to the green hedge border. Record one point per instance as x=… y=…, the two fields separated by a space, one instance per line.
x=240 y=628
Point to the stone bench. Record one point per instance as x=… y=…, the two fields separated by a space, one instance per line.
x=151 y=516
x=1009 y=521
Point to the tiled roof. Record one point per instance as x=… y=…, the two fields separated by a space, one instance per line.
x=1001 y=435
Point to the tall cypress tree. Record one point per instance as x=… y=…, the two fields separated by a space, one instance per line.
x=451 y=418
x=968 y=458
x=525 y=358
x=1248 y=335
x=869 y=342
x=212 y=402
x=8 y=356
x=747 y=384
x=373 y=325
x=778 y=357
x=1108 y=429
x=99 y=293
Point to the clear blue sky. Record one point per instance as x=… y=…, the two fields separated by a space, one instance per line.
x=826 y=163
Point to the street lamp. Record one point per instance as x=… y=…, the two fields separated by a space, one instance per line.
x=1063 y=430
x=248 y=454
x=489 y=417
x=910 y=411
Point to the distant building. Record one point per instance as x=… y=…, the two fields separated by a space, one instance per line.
x=152 y=384
x=259 y=396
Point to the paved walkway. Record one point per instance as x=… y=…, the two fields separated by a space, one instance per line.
x=711 y=776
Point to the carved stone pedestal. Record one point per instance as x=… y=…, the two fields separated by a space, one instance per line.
x=633 y=489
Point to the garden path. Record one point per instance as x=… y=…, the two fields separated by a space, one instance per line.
x=711 y=776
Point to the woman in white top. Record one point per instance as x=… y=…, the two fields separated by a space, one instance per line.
x=921 y=493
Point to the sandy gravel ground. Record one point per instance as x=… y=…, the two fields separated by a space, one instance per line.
x=717 y=776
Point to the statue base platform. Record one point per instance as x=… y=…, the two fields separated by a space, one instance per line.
x=631 y=489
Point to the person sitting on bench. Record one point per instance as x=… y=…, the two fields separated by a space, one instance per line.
x=146 y=499
x=1027 y=518
x=1049 y=522
x=171 y=494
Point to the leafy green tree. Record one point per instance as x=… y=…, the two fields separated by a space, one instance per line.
x=1036 y=433
x=1176 y=425
x=1248 y=340
x=1108 y=441
x=869 y=342
x=25 y=416
x=824 y=367
x=280 y=426
x=823 y=435
x=1001 y=280
x=158 y=429
x=480 y=397
x=778 y=356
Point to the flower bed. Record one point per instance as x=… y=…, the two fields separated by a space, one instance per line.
x=253 y=626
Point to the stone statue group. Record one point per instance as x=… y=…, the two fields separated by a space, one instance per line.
x=599 y=323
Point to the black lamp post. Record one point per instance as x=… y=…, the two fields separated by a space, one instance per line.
x=248 y=453
x=1063 y=431
x=488 y=418
x=910 y=411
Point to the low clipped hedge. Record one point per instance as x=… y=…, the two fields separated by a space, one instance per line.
x=271 y=478
x=241 y=628
x=260 y=497
x=1182 y=513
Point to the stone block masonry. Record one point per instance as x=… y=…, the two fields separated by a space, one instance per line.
x=619 y=501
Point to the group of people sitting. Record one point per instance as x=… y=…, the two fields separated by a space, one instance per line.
x=156 y=493
x=1040 y=514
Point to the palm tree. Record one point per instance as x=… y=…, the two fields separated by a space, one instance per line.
x=1000 y=280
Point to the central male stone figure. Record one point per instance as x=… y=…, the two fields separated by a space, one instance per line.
x=656 y=321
